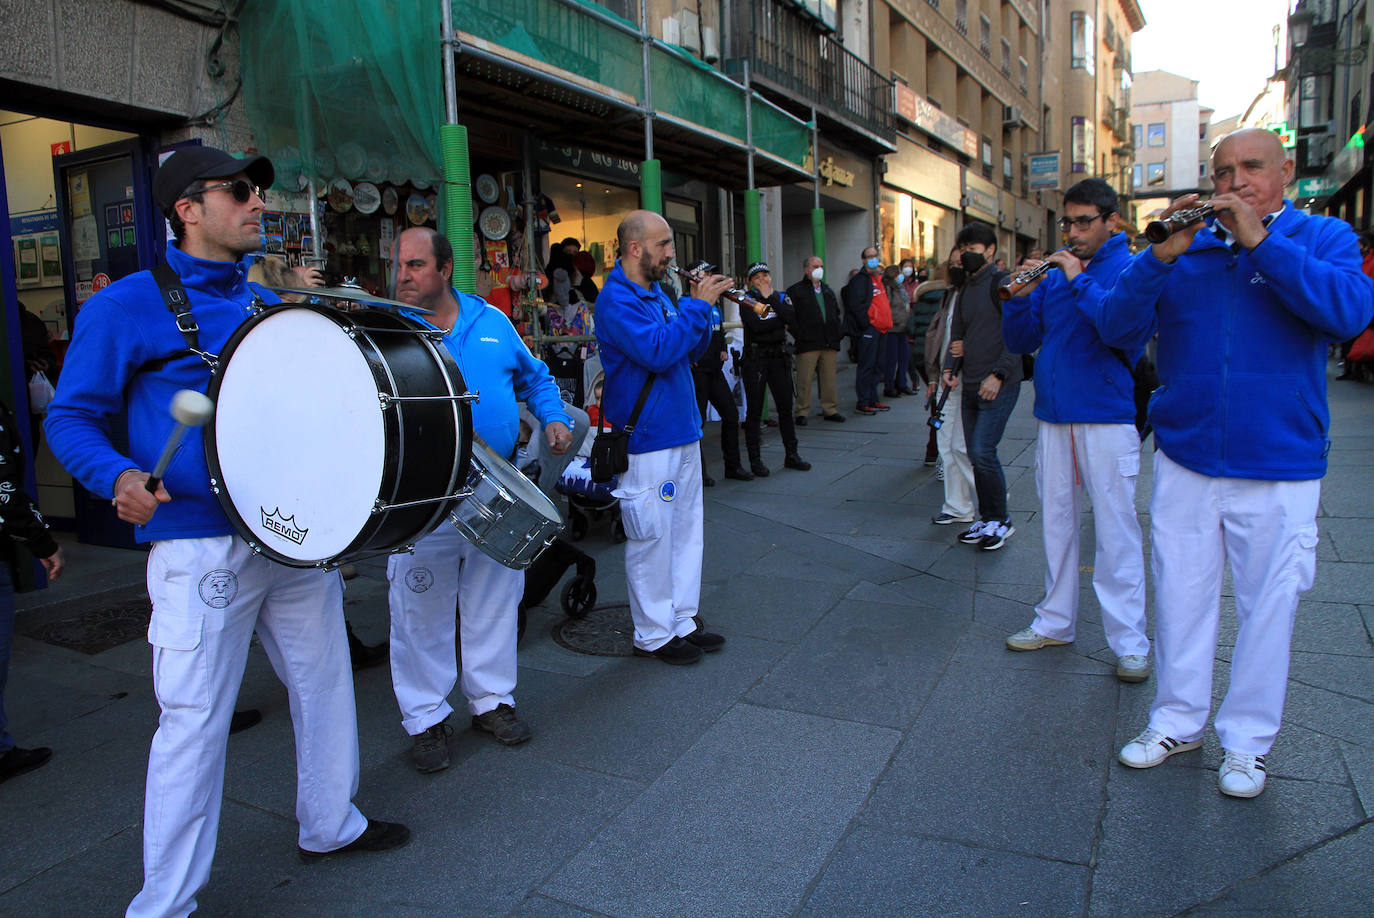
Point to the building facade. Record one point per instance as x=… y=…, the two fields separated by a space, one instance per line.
x=1169 y=133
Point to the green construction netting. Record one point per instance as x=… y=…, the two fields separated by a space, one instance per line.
x=351 y=88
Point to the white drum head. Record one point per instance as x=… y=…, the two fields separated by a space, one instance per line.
x=300 y=435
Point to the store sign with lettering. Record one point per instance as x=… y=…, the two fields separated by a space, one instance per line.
x=616 y=168
x=922 y=113
x=1044 y=170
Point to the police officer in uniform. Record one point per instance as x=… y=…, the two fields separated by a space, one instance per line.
x=766 y=364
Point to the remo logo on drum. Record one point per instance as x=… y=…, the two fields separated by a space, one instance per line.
x=284 y=526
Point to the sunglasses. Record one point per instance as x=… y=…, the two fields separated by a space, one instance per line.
x=241 y=189
x=1080 y=222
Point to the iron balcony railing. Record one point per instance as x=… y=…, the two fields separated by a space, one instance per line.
x=798 y=56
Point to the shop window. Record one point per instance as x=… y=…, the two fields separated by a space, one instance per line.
x=1082 y=49
x=1137 y=175
x=1154 y=174
x=1154 y=136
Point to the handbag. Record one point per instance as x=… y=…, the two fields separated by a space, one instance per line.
x=1145 y=380
x=611 y=449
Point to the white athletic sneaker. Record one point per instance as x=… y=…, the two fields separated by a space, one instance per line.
x=1133 y=668
x=1241 y=775
x=1030 y=639
x=1152 y=747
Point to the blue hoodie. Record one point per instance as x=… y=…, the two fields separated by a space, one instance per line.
x=117 y=331
x=640 y=331
x=1078 y=380
x=498 y=366
x=1242 y=344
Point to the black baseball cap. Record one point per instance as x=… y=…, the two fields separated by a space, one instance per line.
x=755 y=268
x=191 y=164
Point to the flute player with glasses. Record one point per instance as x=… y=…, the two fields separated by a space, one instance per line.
x=1245 y=305
x=1086 y=443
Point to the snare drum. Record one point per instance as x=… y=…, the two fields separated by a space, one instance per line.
x=336 y=434
x=506 y=516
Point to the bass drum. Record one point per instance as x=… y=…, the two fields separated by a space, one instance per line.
x=336 y=434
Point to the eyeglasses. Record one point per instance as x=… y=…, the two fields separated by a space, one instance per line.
x=1080 y=222
x=241 y=189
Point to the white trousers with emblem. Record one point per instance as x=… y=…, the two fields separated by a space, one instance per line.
x=1268 y=531
x=445 y=572
x=949 y=442
x=208 y=597
x=661 y=509
x=1102 y=461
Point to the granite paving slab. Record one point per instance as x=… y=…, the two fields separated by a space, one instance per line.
x=768 y=607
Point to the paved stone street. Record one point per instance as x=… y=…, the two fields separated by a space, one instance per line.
x=864 y=745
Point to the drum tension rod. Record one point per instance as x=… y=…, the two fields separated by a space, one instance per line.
x=380 y=507
x=386 y=400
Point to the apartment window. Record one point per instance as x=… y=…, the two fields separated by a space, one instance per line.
x=987 y=158
x=961 y=16
x=1025 y=73
x=1006 y=57
x=1137 y=175
x=1108 y=33
x=985 y=35
x=1137 y=136
x=1154 y=136
x=1083 y=143
x=1202 y=170
x=1154 y=174
x=1202 y=132
x=1082 y=50
x=1006 y=170
x=934 y=4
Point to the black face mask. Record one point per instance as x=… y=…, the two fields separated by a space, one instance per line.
x=957 y=276
x=972 y=261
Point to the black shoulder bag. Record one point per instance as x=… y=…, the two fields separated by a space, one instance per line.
x=611 y=448
x=1145 y=379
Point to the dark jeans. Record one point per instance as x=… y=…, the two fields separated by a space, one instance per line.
x=898 y=354
x=711 y=387
x=6 y=631
x=776 y=374
x=984 y=423
x=866 y=371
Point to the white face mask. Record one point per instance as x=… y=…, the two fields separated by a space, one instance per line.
x=906 y=272
x=817 y=274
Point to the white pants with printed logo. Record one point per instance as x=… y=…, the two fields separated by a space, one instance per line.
x=661 y=509
x=949 y=442
x=208 y=597
x=1103 y=461
x=1268 y=531
x=447 y=571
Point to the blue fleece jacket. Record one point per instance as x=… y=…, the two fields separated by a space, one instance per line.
x=117 y=331
x=1242 y=344
x=1078 y=380
x=640 y=331
x=498 y=366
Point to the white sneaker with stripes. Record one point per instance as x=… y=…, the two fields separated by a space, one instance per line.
x=1241 y=775
x=1152 y=747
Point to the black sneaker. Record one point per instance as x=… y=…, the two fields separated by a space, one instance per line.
x=800 y=420
x=739 y=473
x=362 y=655
x=707 y=641
x=995 y=535
x=974 y=534
x=378 y=836
x=793 y=461
x=19 y=761
x=242 y=720
x=759 y=469
x=677 y=652
x=430 y=751
x=502 y=723
x=836 y=417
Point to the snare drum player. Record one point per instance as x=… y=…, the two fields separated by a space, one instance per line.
x=445 y=568
x=209 y=591
x=1245 y=305
x=640 y=332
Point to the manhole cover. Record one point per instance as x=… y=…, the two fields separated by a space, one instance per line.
x=605 y=631
x=99 y=629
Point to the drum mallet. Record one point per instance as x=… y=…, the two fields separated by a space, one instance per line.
x=189 y=409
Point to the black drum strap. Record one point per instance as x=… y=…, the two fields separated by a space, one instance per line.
x=179 y=305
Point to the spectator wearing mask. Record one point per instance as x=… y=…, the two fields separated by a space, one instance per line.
x=896 y=346
x=991 y=382
x=816 y=331
x=766 y=364
x=926 y=298
x=868 y=316
x=958 y=471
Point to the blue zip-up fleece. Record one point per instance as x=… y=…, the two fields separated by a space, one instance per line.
x=498 y=366
x=640 y=331
x=1242 y=344
x=1077 y=378
x=117 y=331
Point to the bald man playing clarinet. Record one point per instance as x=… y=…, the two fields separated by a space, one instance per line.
x=1245 y=305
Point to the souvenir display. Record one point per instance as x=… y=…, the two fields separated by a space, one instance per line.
x=390 y=200
x=340 y=195
x=366 y=197
x=487 y=189
x=416 y=210
x=351 y=160
x=494 y=223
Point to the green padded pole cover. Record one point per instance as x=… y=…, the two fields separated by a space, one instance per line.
x=457 y=224
x=818 y=233
x=651 y=186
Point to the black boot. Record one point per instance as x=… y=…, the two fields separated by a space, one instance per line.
x=738 y=473
x=793 y=461
x=758 y=468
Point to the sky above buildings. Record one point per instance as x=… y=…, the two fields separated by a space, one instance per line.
x=1227 y=45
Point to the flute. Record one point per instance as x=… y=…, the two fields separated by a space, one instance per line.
x=1018 y=281
x=734 y=294
x=1159 y=230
